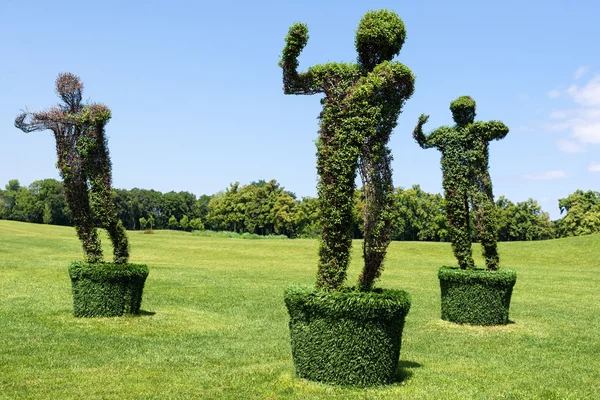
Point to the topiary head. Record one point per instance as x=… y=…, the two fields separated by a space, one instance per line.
x=69 y=87
x=379 y=37
x=463 y=110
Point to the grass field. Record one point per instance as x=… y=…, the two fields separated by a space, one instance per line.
x=214 y=324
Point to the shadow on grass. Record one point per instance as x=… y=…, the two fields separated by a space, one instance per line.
x=404 y=373
x=144 y=313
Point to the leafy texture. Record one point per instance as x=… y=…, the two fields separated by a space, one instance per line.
x=346 y=337
x=476 y=296
x=84 y=165
x=107 y=290
x=361 y=104
x=466 y=179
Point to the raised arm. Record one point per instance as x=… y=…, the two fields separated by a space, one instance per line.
x=434 y=139
x=418 y=134
x=294 y=82
x=491 y=130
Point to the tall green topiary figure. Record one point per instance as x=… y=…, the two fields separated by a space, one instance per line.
x=360 y=108
x=468 y=187
x=84 y=165
x=361 y=104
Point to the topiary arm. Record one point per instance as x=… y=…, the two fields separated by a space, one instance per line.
x=40 y=121
x=294 y=82
x=434 y=139
x=491 y=130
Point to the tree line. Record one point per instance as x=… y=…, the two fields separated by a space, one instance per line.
x=266 y=208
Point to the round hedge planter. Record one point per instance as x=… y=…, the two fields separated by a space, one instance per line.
x=346 y=337
x=107 y=290
x=476 y=296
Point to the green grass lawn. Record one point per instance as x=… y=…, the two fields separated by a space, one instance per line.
x=214 y=324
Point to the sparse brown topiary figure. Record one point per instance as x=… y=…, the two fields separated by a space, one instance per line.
x=84 y=164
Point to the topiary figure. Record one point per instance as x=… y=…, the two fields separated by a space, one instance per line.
x=339 y=335
x=84 y=164
x=99 y=289
x=466 y=179
x=470 y=295
x=361 y=104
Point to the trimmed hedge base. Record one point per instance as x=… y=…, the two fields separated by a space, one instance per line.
x=107 y=290
x=476 y=296
x=346 y=337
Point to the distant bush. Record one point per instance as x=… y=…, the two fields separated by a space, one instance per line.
x=196 y=224
x=235 y=235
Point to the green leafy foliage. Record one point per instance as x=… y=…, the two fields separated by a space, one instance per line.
x=235 y=235
x=419 y=215
x=346 y=337
x=184 y=224
x=107 y=290
x=379 y=37
x=476 y=296
x=41 y=202
x=362 y=102
x=466 y=179
x=173 y=224
x=196 y=224
x=416 y=214
x=523 y=221
x=261 y=207
x=582 y=214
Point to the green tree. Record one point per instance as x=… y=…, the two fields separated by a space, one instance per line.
x=306 y=218
x=582 y=211
x=50 y=202
x=184 y=223
x=225 y=211
x=523 y=221
x=196 y=224
x=9 y=198
x=173 y=224
x=151 y=221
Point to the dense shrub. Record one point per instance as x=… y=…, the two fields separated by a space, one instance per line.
x=476 y=296
x=346 y=337
x=235 y=235
x=106 y=289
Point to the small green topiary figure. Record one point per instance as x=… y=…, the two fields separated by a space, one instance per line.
x=360 y=108
x=84 y=165
x=466 y=179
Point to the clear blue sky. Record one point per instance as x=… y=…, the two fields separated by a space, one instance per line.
x=197 y=97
